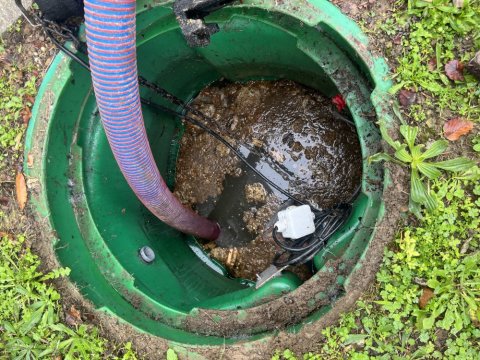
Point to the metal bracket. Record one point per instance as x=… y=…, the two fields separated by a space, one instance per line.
x=268 y=274
x=190 y=15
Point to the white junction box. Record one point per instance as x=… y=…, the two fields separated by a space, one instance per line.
x=295 y=222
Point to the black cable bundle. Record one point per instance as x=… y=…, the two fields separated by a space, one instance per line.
x=299 y=251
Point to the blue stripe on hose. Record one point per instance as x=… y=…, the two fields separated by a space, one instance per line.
x=112 y=50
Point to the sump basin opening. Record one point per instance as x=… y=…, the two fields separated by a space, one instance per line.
x=294 y=136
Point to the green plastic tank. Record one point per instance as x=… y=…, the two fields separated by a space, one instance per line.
x=95 y=224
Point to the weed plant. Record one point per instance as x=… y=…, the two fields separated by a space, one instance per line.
x=441 y=253
x=30 y=324
x=437 y=33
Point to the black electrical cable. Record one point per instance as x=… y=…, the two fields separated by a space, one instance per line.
x=172 y=98
x=227 y=144
x=299 y=251
x=65 y=50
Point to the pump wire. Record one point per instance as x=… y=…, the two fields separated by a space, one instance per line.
x=217 y=136
x=176 y=101
x=294 y=252
x=301 y=250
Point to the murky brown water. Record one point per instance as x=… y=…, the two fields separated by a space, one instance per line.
x=290 y=135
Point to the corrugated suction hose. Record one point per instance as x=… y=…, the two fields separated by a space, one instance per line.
x=110 y=28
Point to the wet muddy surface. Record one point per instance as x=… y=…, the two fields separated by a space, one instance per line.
x=292 y=135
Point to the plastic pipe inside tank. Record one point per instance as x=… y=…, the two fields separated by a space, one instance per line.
x=111 y=38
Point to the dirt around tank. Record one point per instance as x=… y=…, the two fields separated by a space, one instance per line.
x=291 y=135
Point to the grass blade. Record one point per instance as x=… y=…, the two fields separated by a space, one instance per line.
x=383 y=157
x=456 y=165
x=437 y=148
x=429 y=170
x=409 y=133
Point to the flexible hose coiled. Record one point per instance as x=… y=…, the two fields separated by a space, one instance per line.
x=110 y=29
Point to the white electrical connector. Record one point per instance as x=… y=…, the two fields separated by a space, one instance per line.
x=295 y=222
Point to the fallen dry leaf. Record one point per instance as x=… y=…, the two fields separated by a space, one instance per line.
x=407 y=97
x=70 y=320
x=73 y=316
x=89 y=317
x=432 y=64
x=75 y=313
x=30 y=160
x=456 y=127
x=26 y=115
x=458 y=3
x=397 y=40
x=30 y=99
x=427 y=294
x=21 y=190
x=454 y=70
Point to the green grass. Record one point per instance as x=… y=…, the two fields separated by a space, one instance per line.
x=30 y=325
x=438 y=33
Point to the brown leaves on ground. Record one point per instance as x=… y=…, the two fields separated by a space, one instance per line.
x=407 y=97
x=457 y=127
x=26 y=114
x=21 y=190
x=454 y=70
x=73 y=316
x=427 y=294
x=30 y=160
x=29 y=99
